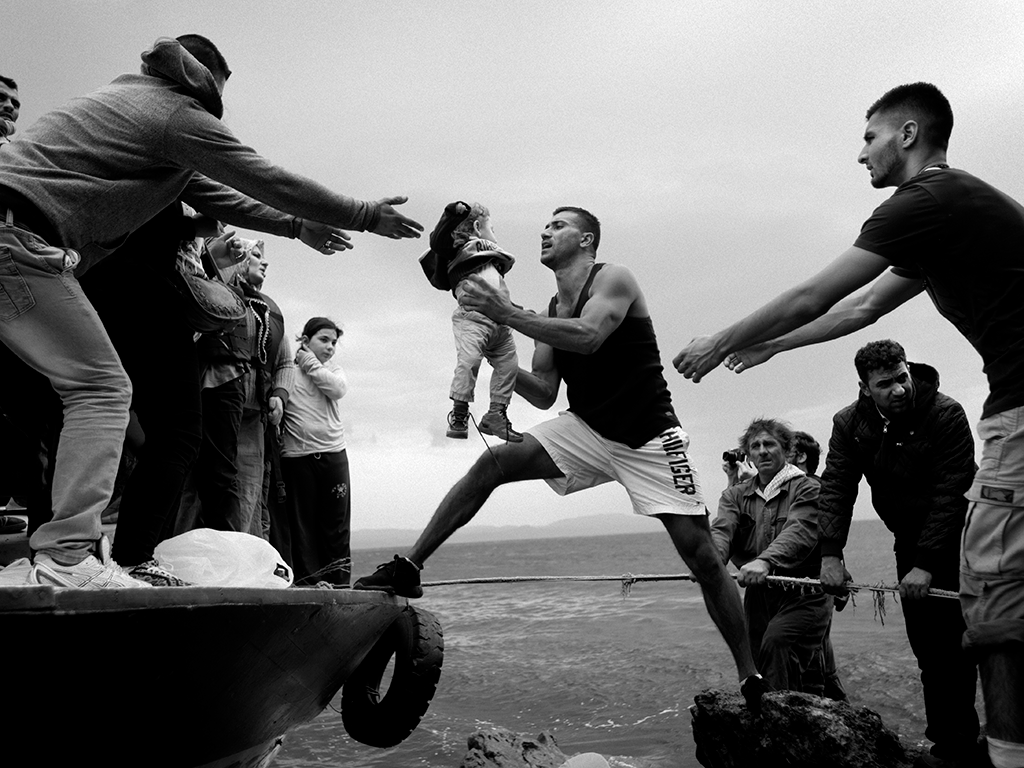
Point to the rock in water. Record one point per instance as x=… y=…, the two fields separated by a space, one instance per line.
x=796 y=730
x=500 y=748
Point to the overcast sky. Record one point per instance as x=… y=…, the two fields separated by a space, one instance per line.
x=717 y=143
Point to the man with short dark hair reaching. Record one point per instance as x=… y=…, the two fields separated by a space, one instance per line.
x=960 y=239
x=597 y=336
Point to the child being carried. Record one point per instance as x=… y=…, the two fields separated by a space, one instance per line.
x=462 y=244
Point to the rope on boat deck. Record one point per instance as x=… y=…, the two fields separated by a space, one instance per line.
x=878 y=591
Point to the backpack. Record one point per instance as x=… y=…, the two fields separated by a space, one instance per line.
x=442 y=247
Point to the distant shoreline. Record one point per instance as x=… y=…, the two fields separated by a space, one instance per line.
x=611 y=524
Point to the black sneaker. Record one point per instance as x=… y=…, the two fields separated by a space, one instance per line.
x=401 y=576
x=752 y=689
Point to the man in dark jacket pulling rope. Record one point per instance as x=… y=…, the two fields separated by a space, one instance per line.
x=913 y=445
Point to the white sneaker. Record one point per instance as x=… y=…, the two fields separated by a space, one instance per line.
x=88 y=574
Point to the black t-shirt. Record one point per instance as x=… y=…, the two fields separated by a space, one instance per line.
x=965 y=239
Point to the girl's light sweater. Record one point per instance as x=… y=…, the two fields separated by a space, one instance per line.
x=312 y=419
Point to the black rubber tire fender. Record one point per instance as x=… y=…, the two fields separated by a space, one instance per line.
x=416 y=641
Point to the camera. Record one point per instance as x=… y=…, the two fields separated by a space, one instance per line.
x=735 y=456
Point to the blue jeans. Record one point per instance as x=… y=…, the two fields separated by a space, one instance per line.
x=47 y=321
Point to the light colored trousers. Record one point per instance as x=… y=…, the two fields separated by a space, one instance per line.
x=47 y=321
x=478 y=337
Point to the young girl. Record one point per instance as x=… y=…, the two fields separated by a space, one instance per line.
x=314 y=461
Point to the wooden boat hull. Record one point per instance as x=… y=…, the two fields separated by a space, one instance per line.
x=181 y=677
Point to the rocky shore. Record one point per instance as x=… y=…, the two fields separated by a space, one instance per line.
x=793 y=729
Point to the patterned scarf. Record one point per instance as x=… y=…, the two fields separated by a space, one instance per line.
x=788 y=472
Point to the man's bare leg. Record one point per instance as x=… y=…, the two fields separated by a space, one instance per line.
x=507 y=463
x=692 y=538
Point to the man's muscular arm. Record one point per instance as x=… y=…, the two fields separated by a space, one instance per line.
x=612 y=293
x=851 y=314
x=540 y=386
x=786 y=312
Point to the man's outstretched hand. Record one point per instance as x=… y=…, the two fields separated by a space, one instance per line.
x=324 y=237
x=698 y=358
x=738 y=362
x=393 y=224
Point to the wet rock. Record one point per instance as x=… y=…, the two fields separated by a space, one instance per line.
x=796 y=730
x=500 y=748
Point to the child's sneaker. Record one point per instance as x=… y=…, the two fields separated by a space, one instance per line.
x=458 y=425
x=151 y=573
x=401 y=576
x=88 y=574
x=496 y=423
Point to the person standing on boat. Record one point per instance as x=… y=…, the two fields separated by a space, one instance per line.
x=960 y=239
x=73 y=186
x=267 y=388
x=913 y=445
x=768 y=525
x=314 y=461
x=597 y=336
x=10 y=107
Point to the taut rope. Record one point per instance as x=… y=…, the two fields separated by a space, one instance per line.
x=878 y=591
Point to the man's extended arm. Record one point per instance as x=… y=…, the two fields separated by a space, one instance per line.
x=540 y=386
x=198 y=140
x=786 y=312
x=612 y=294
x=849 y=315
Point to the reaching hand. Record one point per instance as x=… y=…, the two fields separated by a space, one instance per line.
x=393 y=224
x=324 y=237
x=834 y=575
x=698 y=358
x=738 y=362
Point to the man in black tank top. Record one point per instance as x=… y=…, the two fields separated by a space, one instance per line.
x=597 y=337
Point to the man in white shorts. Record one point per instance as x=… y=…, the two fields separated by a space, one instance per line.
x=598 y=337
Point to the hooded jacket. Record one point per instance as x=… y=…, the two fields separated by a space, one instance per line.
x=105 y=163
x=919 y=466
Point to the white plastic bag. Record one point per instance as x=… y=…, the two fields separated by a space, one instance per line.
x=209 y=558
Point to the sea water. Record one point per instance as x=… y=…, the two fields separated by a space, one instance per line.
x=602 y=672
